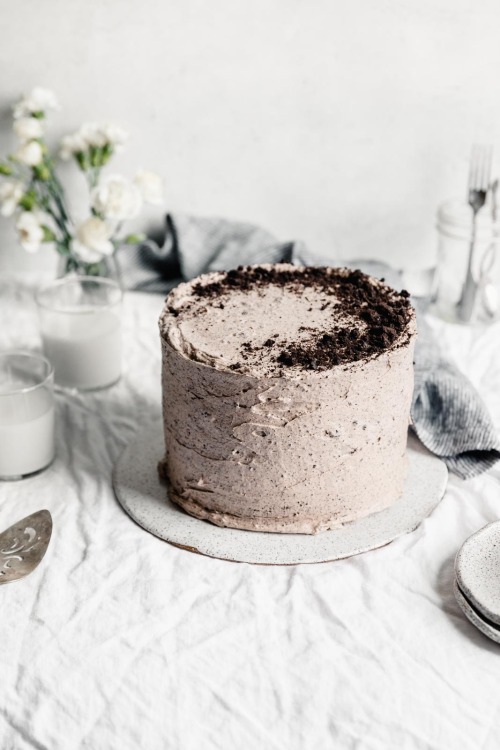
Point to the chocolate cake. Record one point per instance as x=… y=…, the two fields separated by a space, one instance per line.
x=286 y=396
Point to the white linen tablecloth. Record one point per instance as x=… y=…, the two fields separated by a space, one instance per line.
x=121 y=641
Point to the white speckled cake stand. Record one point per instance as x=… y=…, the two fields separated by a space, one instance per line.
x=144 y=497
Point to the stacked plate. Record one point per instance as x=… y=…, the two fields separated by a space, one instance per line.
x=477 y=583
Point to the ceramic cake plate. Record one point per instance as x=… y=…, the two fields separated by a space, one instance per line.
x=144 y=497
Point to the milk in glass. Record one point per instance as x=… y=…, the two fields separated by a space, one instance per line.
x=26 y=427
x=84 y=348
x=81 y=331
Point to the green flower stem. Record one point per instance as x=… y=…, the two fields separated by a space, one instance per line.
x=58 y=191
x=57 y=212
x=63 y=249
x=93 y=175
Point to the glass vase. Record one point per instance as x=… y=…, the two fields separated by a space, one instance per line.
x=106 y=268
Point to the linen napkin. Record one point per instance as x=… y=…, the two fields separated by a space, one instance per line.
x=448 y=415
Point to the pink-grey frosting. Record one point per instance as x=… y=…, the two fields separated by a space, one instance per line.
x=299 y=451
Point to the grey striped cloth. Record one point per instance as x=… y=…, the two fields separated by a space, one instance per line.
x=448 y=415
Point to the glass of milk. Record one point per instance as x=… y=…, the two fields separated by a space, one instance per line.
x=80 y=321
x=26 y=414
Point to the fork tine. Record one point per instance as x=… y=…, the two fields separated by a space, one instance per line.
x=472 y=168
x=482 y=172
x=480 y=167
x=487 y=167
x=479 y=185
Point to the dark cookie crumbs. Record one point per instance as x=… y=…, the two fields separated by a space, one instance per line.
x=384 y=313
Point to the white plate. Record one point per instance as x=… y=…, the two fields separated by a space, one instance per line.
x=472 y=614
x=477 y=568
x=144 y=497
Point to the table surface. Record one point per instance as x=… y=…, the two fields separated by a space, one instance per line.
x=119 y=640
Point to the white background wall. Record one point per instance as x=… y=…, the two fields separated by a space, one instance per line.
x=340 y=122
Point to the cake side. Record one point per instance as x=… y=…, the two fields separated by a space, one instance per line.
x=291 y=445
x=286 y=455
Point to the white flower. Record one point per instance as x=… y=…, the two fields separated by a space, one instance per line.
x=28 y=128
x=92 y=240
x=115 y=135
x=80 y=141
x=71 y=145
x=30 y=153
x=117 y=198
x=30 y=228
x=39 y=100
x=151 y=186
x=99 y=136
x=11 y=192
x=92 y=134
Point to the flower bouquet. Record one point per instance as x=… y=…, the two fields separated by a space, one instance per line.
x=32 y=192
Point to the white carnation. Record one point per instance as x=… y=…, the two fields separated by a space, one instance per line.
x=95 y=134
x=71 y=145
x=38 y=100
x=117 y=198
x=30 y=229
x=150 y=185
x=92 y=134
x=28 y=128
x=11 y=192
x=115 y=135
x=92 y=240
x=30 y=153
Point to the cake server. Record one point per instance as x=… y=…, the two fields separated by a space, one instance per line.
x=23 y=545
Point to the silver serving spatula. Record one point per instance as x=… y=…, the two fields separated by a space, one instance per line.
x=23 y=545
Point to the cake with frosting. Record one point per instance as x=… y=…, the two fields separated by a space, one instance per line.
x=286 y=396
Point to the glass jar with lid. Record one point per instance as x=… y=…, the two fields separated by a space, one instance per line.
x=454 y=225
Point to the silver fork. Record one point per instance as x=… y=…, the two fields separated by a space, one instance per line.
x=479 y=180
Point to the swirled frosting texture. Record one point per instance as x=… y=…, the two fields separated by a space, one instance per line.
x=286 y=399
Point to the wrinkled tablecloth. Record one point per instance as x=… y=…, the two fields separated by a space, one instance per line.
x=121 y=641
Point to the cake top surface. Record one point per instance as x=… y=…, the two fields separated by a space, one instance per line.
x=276 y=320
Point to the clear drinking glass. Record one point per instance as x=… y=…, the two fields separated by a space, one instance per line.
x=80 y=321
x=26 y=414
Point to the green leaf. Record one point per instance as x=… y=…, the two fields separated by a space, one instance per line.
x=28 y=201
x=40 y=115
x=71 y=264
x=93 y=269
x=95 y=156
x=134 y=239
x=41 y=172
x=5 y=169
x=48 y=234
x=82 y=159
x=107 y=153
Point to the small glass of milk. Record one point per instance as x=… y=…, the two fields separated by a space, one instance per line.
x=26 y=414
x=80 y=321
